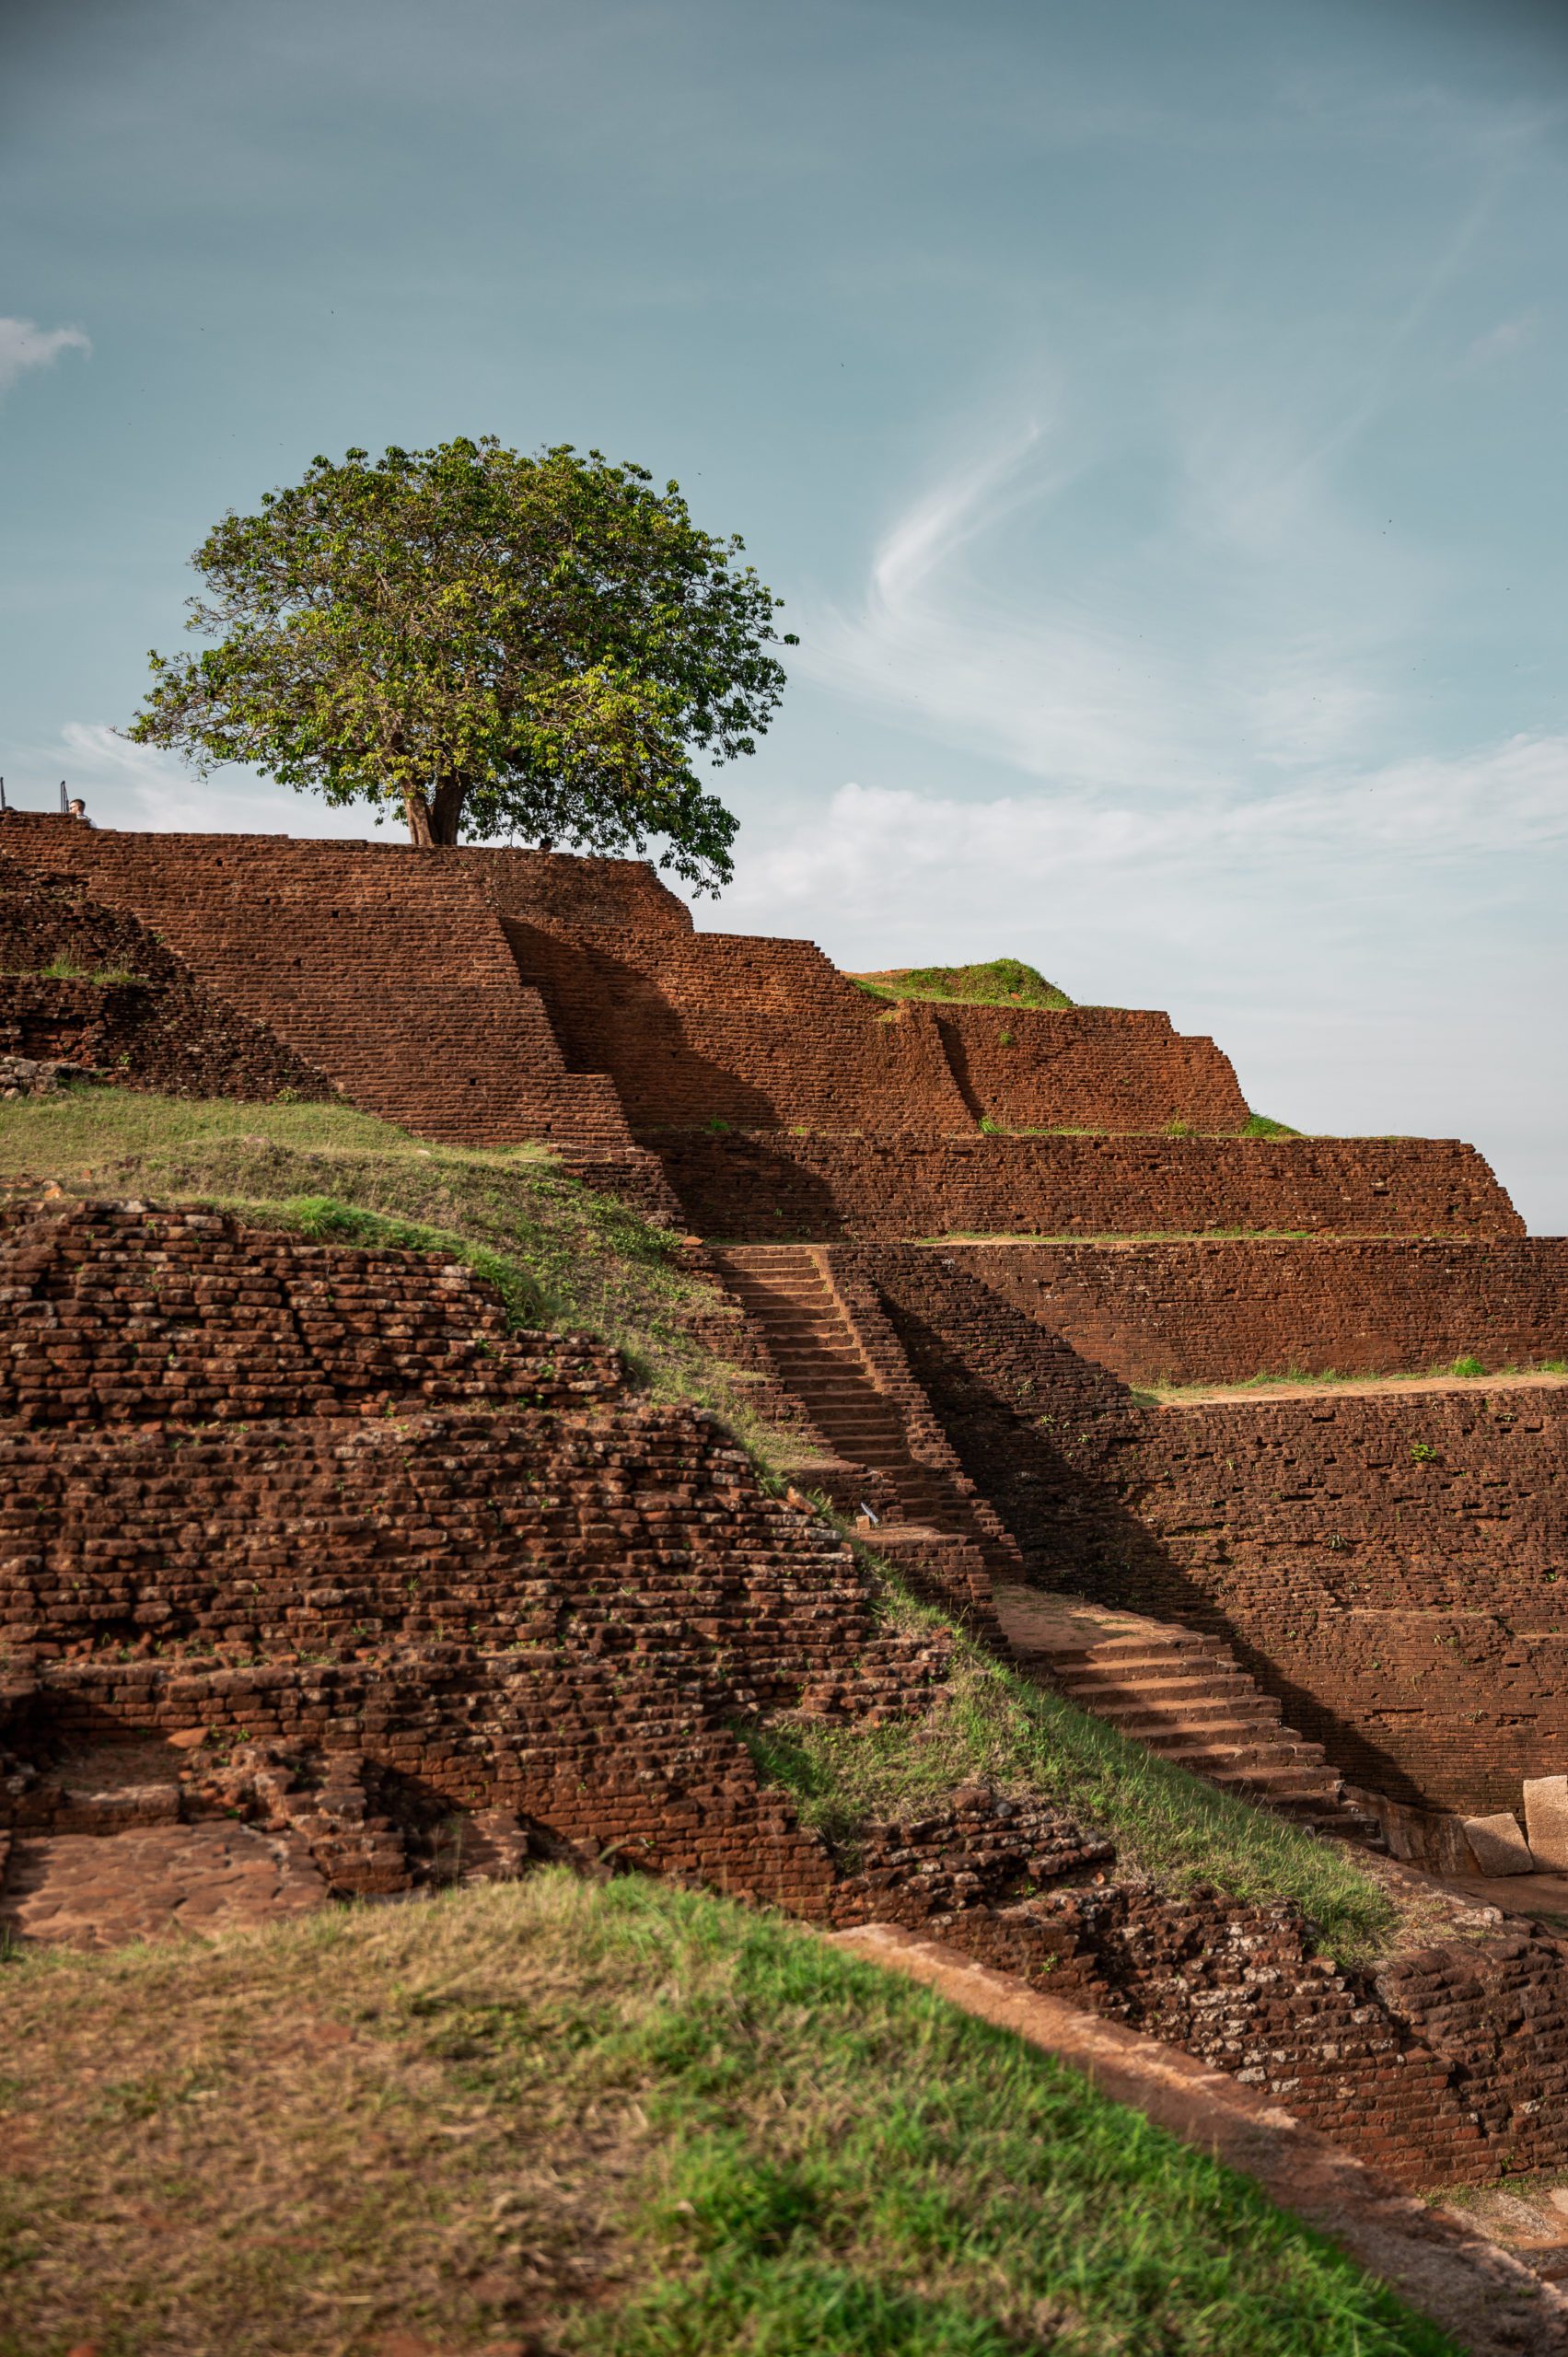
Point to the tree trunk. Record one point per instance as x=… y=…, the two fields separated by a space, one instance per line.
x=446 y=810
x=416 y=810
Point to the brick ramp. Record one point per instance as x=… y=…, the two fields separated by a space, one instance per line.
x=1486 y=2302
x=1184 y=1695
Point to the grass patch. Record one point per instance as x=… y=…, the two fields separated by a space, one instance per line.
x=999 y=1727
x=64 y=969
x=998 y=981
x=632 y=2121
x=1259 y=1125
x=560 y=1254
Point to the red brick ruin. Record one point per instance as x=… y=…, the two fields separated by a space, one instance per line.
x=306 y=1558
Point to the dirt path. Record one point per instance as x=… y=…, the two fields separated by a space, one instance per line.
x=1401 y=1387
x=1484 y=2300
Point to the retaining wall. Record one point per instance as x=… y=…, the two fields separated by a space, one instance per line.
x=774 y=1188
x=696 y=1027
x=160 y=1030
x=387 y=968
x=1089 y=1067
x=1388 y=1565
x=1224 y=1311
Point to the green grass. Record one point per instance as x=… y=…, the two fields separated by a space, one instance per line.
x=64 y=969
x=998 y=981
x=560 y=1254
x=1259 y=1125
x=1000 y=1728
x=620 y=2120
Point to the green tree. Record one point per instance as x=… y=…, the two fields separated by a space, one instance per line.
x=493 y=645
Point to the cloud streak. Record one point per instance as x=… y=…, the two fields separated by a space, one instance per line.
x=886 y=843
x=23 y=345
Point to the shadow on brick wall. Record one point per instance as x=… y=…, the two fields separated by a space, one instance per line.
x=1062 y=1449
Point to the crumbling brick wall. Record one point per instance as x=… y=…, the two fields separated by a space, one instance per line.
x=160 y=1029
x=397 y=1567
x=387 y=968
x=1225 y=1310
x=322 y=1499
x=774 y=1187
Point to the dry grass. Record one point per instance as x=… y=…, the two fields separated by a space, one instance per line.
x=624 y=2119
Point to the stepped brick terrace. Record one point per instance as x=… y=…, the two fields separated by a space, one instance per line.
x=308 y=1561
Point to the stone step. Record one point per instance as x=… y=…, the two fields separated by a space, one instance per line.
x=1137 y=1719
x=1205 y=1685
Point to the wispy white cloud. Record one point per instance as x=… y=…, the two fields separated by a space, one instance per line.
x=1501 y=343
x=23 y=345
x=888 y=846
x=1241 y=627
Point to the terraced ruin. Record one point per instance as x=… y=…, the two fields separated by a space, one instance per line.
x=1080 y=1414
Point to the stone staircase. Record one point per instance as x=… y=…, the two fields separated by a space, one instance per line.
x=1182 y=1694
x=784 y=1293
x=1186 y=1697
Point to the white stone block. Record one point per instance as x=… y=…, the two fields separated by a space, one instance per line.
x=1546 y=1821
x=1498 y=1846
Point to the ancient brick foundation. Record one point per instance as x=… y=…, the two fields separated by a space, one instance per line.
x=158 y=1029
x=1088 y=1067
x=1226 y=1311
x=307 y=1536
x=773 y=1187
x=1388 y=1566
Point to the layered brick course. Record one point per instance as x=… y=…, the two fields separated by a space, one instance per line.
x=703 y=1027
x=233 y=1505
x=387 y=968
x=1089 y=1067
x=160 y=1030
x=1225 y=1311
x=1387 y=1566
x=773 y=1187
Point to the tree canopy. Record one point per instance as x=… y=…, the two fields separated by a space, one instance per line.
x=492 y=644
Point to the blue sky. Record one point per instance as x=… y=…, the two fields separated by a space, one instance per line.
x=1152 y=411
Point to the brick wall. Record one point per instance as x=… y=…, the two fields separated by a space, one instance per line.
x=161 y=1031
x=1388 y=1566
x=1090 y=1067
x=761 y=1032
x=1392 y=1568
x=387 y=968
x=320 y=1498
x=773 y=1187
x=399 y=1568
x=1222 y=1311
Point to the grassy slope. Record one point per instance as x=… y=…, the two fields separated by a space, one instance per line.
x=561 y=1255
x=999 y=982
x=623 y=2121
x=1000 y=1728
